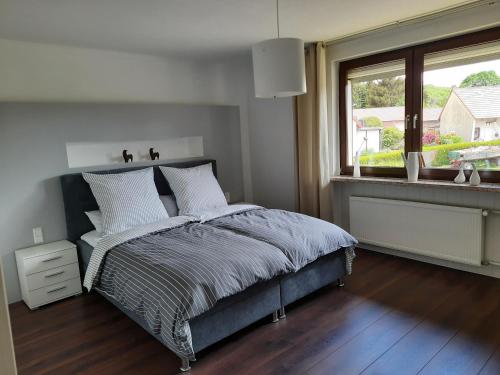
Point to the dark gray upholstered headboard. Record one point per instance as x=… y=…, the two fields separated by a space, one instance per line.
x=78 y=197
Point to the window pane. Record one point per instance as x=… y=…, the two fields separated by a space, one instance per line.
x=376 y=114
x=461 y=100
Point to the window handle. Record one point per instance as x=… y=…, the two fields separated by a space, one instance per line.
x=415 y=119
x=407 y=122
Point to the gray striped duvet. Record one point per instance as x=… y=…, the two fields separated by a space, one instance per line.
x=173 y=271
x=302 y=238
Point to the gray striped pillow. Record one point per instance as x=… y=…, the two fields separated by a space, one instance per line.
x=195 y=189
x=126 y=200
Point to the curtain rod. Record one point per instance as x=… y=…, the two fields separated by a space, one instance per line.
x=417 y=19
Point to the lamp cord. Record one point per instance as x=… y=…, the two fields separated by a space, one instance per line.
x=278 y=18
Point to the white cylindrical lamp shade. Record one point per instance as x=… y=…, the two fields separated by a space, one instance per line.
x=279 y=68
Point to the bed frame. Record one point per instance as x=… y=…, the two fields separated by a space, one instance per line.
x=230 y=314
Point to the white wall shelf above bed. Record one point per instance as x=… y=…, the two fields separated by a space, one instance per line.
x=91 y=154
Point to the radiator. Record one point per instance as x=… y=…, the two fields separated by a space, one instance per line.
x=439 y=231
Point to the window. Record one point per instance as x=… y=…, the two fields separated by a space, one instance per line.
x=441 y=98
x=376 y=112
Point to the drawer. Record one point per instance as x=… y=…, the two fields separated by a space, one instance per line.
x=54 y=292
x=52 y=276
x=48 y=261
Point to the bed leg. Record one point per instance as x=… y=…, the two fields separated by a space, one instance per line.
x=340 y=282
x=185 y=364
x=282 y=313
x=275 y=317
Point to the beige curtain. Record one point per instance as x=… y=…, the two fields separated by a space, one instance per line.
x=313 y=160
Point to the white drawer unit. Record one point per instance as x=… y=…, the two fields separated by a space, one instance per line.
x=48 y=273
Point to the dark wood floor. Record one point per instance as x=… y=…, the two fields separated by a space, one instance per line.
x=394 y=316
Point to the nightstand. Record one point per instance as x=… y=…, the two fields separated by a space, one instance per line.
x=48 y=273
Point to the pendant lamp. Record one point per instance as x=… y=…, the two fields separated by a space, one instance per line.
x=278 y=66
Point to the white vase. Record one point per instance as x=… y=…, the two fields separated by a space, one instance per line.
x=475 y=179
x=357 y=170
x=460 y=179
x=412 y=164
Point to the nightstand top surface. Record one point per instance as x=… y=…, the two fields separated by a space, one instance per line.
x=46 y=248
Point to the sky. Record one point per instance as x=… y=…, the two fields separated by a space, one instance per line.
x=449 y=77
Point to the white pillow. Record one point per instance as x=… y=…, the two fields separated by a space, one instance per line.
x=168 y=201
x=126 y=200
x=195 y=189
x=95 y=218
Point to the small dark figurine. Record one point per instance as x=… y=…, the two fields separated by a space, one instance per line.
x=127 y=157
x=154 y=155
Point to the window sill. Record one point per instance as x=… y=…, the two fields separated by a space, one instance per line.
x=483 y=187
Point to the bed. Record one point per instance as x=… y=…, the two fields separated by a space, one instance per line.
x=230 y=314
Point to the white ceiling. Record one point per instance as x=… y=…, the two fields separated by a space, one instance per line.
x=197 y=28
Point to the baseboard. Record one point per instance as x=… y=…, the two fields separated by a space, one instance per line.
x=487 y=270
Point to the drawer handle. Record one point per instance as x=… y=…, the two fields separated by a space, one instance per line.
x=54 y=274
x=53 y=258
x=57 y=289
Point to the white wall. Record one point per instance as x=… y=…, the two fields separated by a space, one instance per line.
x=418 y=32
x=272 y=150
x=232 y=77
x=33 y=72
x=268 y=136
x=45 y=72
